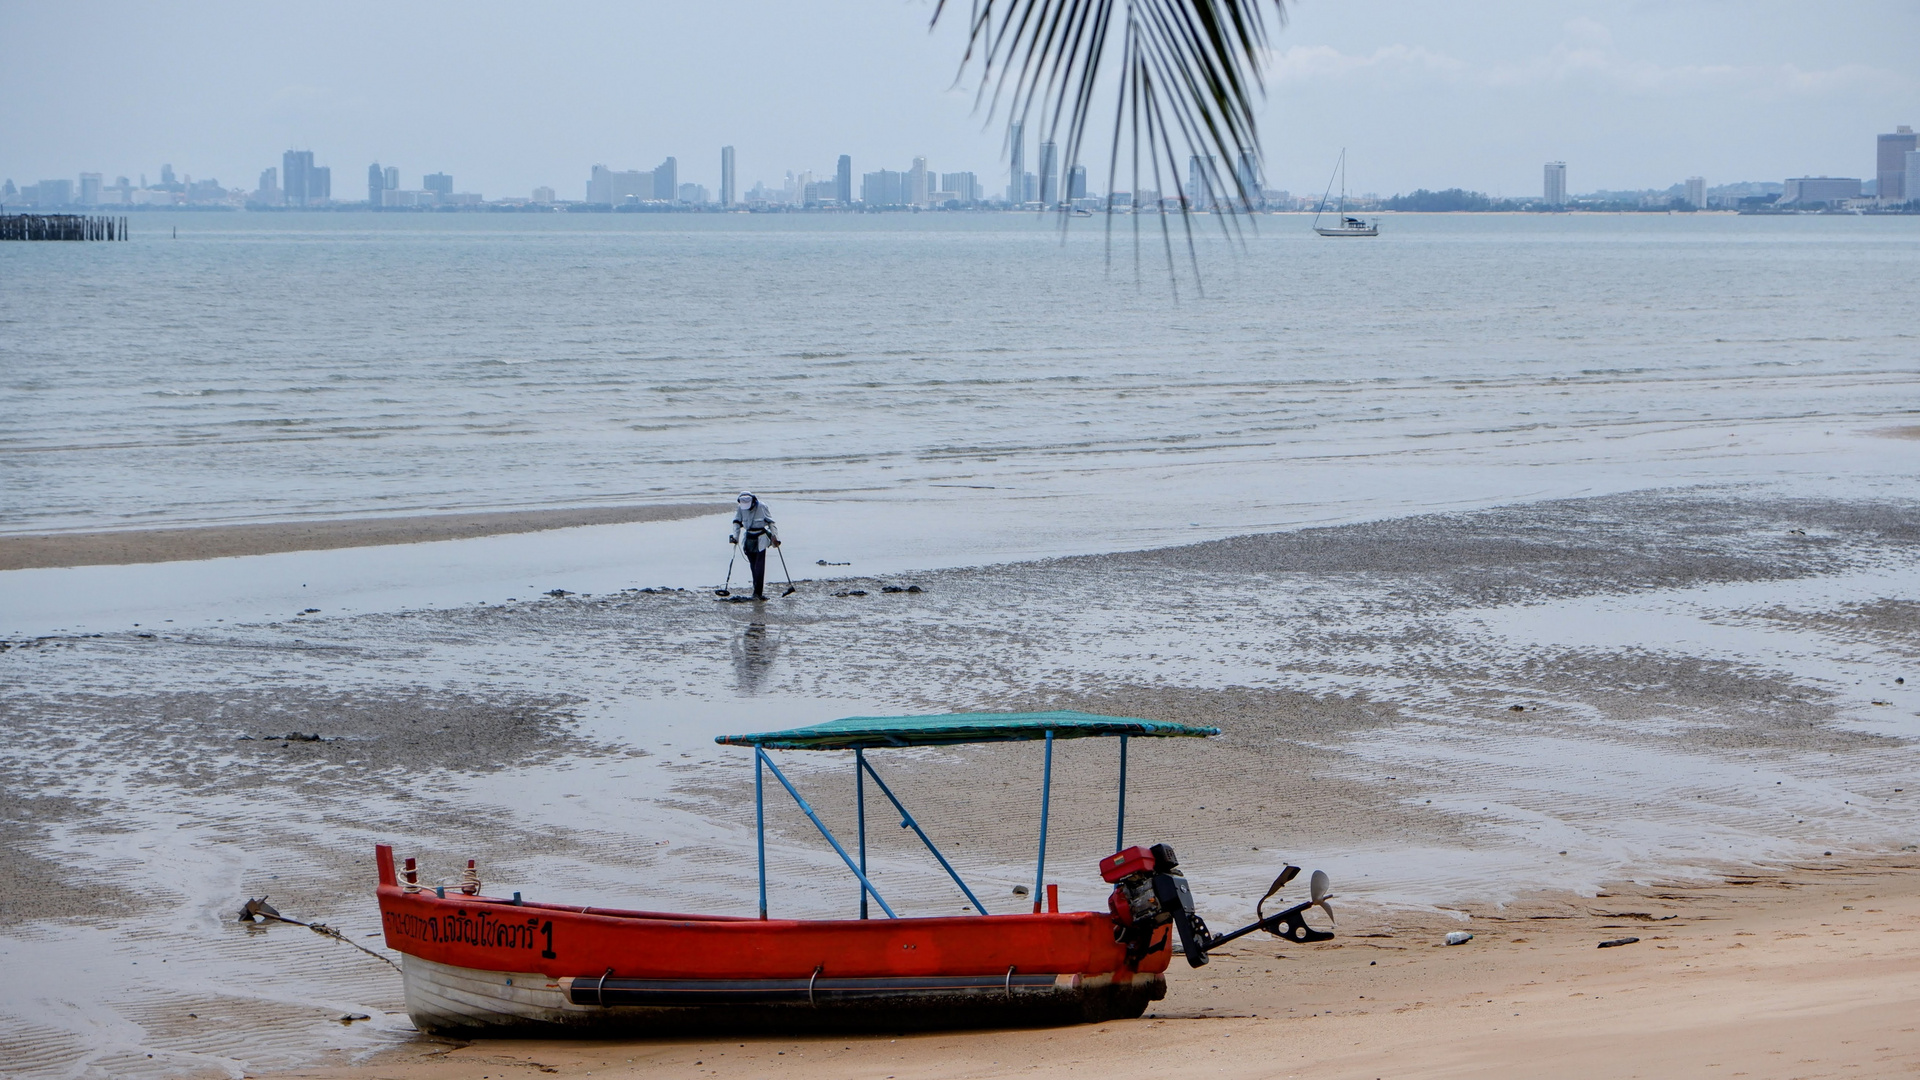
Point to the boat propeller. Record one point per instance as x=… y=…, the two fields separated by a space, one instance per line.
x=1150 y=892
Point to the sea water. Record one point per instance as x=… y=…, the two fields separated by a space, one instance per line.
x=959 y=387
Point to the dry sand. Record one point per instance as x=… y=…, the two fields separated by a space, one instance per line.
x=1806 y=971
x=225 y=541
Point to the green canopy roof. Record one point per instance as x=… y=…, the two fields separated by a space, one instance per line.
x=863 y=731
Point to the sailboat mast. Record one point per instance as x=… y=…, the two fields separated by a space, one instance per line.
x=1324 y=196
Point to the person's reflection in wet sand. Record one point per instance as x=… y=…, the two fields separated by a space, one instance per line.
x=753 y=653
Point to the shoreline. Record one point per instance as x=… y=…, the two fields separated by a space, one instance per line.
x=192 y=543
x=1472 y=720
x=1799 y=970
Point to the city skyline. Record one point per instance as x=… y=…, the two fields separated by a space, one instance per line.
x=1634 y=94
x=301 y=181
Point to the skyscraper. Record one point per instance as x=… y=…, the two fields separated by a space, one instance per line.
x=1697 y=192
x=296 y=176
x=1554 y=187
x=1077 y=182
x=1913 y=176
x=615 y=188
x=882 y=188
x=89 y=189
x=666 y=180
x=269 y=193
x=964 y=185
x=376 y=185
x=843 y=181
x=1049 y=173
x=1017 y=174
x=1202 y=181
x=1890 y=168
x=439 y=183
x=726 y=176
x=1248 y=173
x=917 y=182
x=393 y=178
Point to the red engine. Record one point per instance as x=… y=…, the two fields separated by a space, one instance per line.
x=1148 y=893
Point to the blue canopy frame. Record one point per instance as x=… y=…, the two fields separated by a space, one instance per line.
x=861 y=733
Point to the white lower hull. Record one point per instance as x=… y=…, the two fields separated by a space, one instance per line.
x=442 y=997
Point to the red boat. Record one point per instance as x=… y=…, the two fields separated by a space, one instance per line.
x=477 y=965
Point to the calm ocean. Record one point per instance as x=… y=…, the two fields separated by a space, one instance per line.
x=265 y=367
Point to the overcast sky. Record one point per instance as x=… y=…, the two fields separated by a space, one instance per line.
x=506 y=96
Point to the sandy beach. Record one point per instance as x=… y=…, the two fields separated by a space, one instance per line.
x=1803 y=971
x=117 y=547
x=1550 y=723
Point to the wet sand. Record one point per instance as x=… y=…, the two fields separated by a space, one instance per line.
x=1479 y=712
x=1802 y=971
x=228 y=541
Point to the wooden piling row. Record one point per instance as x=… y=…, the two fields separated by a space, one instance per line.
x=61 y=227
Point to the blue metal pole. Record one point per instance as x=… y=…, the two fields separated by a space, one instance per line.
x=860 y=808
x=828 y=833
x=1046 y=800
x=907 y=822
x=760 y=824
x=1120 y=826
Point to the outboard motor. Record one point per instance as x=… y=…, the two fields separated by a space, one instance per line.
x=1149 y=892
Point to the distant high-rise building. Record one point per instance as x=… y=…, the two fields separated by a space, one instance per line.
x=726 y=176
x=1029 y=188
x=883 y=188
x=964 y=185
x=917 y=182
x=1077 y=182
x=1912 y=175
x=1049 y=173
x=441 y=184
x=393 y=178
x=694 y=194
x=1891 y=165
x=320 y=184
x=1825 y=190
x=1203 y=181
x=1697 y=192
x=89 y=189
x=166 y=178
x=1247 y=172
x=666 y=180
x=608 y=186
x=843 y=181
x=1554 y=187
x=269 y=193
x=296 y=176
x=543 y=195
x=53 y=193
x=376 y=185
x=1017 y=172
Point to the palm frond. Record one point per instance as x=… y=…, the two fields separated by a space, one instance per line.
x=1184 y=76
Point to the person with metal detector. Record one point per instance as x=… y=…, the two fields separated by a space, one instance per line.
x=755 y=521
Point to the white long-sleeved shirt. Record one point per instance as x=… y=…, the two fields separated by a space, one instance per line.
x=757 y=521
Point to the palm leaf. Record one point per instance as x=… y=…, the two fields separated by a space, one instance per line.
x=1185 y=75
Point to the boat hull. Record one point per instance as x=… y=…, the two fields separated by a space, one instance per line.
x=477 y=965
x=1371 y=230
x=468 y=1002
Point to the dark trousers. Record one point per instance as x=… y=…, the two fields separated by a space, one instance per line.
x=758 y=560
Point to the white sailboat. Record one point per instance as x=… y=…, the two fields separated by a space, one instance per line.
x=1348 y=226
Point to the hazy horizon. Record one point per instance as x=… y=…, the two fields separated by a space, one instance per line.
x=1630 y=94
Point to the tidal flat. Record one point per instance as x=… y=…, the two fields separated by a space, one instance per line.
x=1456 y=715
